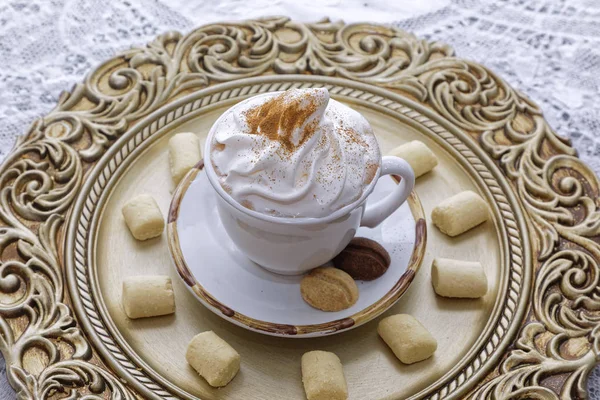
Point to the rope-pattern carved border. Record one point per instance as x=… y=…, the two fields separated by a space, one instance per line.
x=112 y=164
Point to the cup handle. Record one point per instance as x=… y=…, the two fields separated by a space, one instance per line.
x=375 y=213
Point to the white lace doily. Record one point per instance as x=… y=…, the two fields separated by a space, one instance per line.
x=550 y=49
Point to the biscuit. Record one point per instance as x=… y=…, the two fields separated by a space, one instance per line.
x=329 y=289
x=418 y=155
x=460 y=213
x=363 y=259
x=323 y=376
x=408 y=339
x=148 y=296
x=462 y=279
x=143 y=217
x=213 y=358
x=184 y=153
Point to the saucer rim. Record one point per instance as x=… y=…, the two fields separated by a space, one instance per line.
x=288 y=330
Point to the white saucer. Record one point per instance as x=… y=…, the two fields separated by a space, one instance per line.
x=239 y=290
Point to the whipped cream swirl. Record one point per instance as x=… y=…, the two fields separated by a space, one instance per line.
x=296 y=153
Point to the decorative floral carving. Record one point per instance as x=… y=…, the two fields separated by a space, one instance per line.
x=559 y=194
x=41 y=179
x=568 y=310
x=38 y=184
x=72 y=379
x=560 y=205
x=128 y=87
x=472 y=97
x=528 y=370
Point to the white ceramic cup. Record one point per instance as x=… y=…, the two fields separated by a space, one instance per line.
x=292 y=246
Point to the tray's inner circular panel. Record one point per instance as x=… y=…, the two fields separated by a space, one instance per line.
x=271 y=366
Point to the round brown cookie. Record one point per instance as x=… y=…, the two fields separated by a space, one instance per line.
x=363 y=259
x=329 y=289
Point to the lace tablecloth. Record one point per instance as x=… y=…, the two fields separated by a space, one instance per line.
x=548 y=49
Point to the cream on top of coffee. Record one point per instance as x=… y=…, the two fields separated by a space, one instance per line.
x=296 y=153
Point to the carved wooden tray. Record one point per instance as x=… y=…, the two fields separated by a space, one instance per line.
x=65 y=248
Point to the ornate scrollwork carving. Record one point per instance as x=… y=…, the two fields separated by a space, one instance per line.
x=38 y=185
x=536 y=358
x=559 y=194
x=72 y=379
x=129 y=87
x=41 y=179
x=472 y=97
x=555 y=187
x=568 y=310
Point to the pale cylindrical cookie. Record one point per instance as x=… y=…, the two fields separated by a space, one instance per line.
x=323 y=376
x=462 y=279
x=460 y=213
x=418 y=155
x=213 y=358
x=184 y=153
x=143 y=217
x=408 y=339
x=148 y=296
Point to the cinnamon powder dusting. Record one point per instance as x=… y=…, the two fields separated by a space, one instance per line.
x=248 y=204
x=353 y=136
x=370 y=172
x=278 y=118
